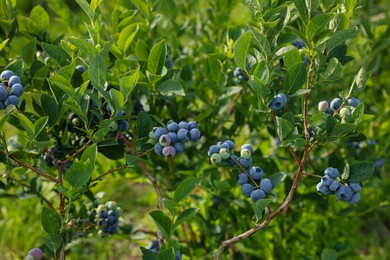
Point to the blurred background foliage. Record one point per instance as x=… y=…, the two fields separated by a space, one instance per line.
x=200 y=35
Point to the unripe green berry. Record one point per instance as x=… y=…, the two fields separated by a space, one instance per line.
x=245 y=153
x=76 y=121
x=224 y=153
x=215 y=158
x=344 y=112
x=113 y=126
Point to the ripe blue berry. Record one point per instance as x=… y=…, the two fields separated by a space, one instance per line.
x=276 y=103
x=36 y=253
x=179 y=147
x=184 y=125
x=13 y=80
x=103 y=214
x=356 y=187
x=183 y=135
x=326 y=180
x=249 y=147
x=157 y=132
x=123 y=125
x=6 y=74
x=80 y=68
x=231 y=160
x=336 y=103
x=12 y=100
x=2 y=105
x=3 y=93
x=158 y=148
x=246 y=163
x=246 y=190
x=213 y=149
x=332 y=172
x=323 y=189
x=329 y=111
x=192 y=125
x=164 y=140
x=17 y=90
x=257 y=195
x=299 y=44
x=242 y=178
x=283 y=97
x=256 y=173
x=230 y=143
x=169 y=151
x=353 y=101
x=194 y=134
x=266 y=185
x=172 y=126
x=344 y=193
x=334 y=185
x=355 y=198
x=173 y=137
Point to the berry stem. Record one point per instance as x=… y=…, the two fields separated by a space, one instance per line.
x=108 y=172
x=244 y=171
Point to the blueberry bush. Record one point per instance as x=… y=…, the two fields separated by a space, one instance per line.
x=194 y=129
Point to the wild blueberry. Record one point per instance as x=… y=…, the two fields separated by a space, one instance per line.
x=172 y=126
x=230 y=143
x=246 y=190
x=123 y=125
x=3 y=92
x=345 y=112
x=276 y=103
x=353 y=101
x=158 y=148
x=257 y=195
x=184 y=125
x=249 y=147
x=80 y=68
x=336 y=103
x=242 y=178
x=103 y=214
x=299 y=44
x=323 y=106
x=266 y=185
x=2 y=105
x=329 y=111
x=36 y=253
x=326 y=180
x=356 y=187
x=245 y=153
x=256 y=173
x=169 y=151
x=231 y=160
x=192 y=125
x=157 y=132
x=224 y=153
x=334 y=185
x=6 y=74
x=344 y=193
x=12 y=100
x=355 y=198
x=332 y=172
x=213 y=149
x=13 y=80
x=194 y=134
x=173 y=137
x=246 y=163
x=283 y=97
x=164 y=140
x=215 y=158
x=113 y=126
x=183 y=135
x=179 y=147
x=323 y=189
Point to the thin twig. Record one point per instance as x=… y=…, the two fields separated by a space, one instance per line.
x=77 y=152
x=108 y=172
x=21 y=163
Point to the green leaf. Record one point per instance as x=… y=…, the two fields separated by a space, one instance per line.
x=156 y=58
x=277 y=178
x=148 y=254
x=3 y=43
x=186 y=215
x=241 y=48
x=127 y=84
x=338 y=38
x=78 y=175
x=86 y=8
x=126 y=37
x=300 y=5
x=61 y=57
x=50 y=108
x=262 y=72
x=185 y=188
x=27 y=124
x=342 y=129
x=39 y=125
x=144 y=124
x=166 y=254
x=171 y=205
x=52 y=241
x=40 y=17
x=98 y=71
x=171 y=87
x=51 y=221
x=283 y=127
x=6 y=114
x=90 y=154
x=117 y=99
x=84 y=46
x=296 y=77
x=16 y=66
x=292 y=58
x=163 y=222
x=131 y=159
x=361 y=79
x=328 y=254
x=259 y=206
x=317 y=25
x=261 y=42
x=334 y=71
x=361 y=171
x=63 y=84
x=345 y=174
x=358 y=113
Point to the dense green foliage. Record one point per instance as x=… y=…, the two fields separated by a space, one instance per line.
x=65 y=152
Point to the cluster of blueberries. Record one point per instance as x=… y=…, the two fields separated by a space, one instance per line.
x=278 y=102
x=336 y=103
x=11 y=89
x=34 y=254
x=107 y=218
x=173 y=139
x=329 y=184
x=155 y=247
x=58 y=152
x=253 y=185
